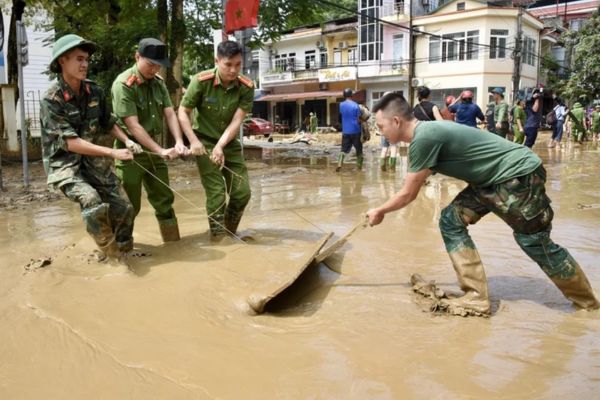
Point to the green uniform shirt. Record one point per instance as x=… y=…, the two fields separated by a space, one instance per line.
x=501 y=112
x=578 y=116
x=519 y=115
x=214 y=105
x=65 y=115
x=132 y=94
x=466 y=153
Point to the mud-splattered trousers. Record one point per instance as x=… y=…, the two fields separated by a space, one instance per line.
x=523 y=204
x=87 y=180
x=227 y=193
x=105 y=208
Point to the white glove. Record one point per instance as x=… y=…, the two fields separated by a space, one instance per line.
x=134 y=147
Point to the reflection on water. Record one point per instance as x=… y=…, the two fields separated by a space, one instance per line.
x=178 y=327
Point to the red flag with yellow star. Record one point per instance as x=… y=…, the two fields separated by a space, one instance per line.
x=241 y=14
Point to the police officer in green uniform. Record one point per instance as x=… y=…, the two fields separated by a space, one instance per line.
x=220 y=99
x=504 y=178
x=141 y=102
x=77 y=128
x=501 y=114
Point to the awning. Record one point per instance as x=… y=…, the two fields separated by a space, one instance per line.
x=301 y=95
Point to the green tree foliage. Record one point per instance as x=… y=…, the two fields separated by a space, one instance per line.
x=583 y=82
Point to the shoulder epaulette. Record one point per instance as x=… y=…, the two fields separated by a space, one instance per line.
x=246 y=81
x=206 y=75
x=131 y=80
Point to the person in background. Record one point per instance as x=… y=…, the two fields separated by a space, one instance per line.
x=595 y=128
x=466 y=112
x=501 y=114
x=532 y=121
x=560 y=113
x=426 y=110
x=446 y=113
x=578 y=123
x=351 y=130
x=519 y=121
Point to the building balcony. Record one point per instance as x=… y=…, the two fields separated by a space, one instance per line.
x=395 y=10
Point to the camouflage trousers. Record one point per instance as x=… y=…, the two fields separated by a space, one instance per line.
x=523 y=204
x=105 y=208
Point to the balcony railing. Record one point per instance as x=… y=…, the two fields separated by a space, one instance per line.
x=394 y=8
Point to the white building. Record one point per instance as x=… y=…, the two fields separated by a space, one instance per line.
x=471 y=48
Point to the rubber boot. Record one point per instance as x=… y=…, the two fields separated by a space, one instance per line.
x=232 y=221
x=217 y=227
x=169 y=230
x=109 y=247
x=383 y=163
x=99 y=227
x=340 y=162
x=393 y=164
x=577 y=288
x=359 y=162
x=472 y=280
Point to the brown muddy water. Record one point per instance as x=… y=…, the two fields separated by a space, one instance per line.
x=179 y=327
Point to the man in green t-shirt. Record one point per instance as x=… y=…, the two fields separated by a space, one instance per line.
x=504 y=178
x=141 y=103
x=578 y=123
x=501 y=114
x=519 y=121
x=221 y=98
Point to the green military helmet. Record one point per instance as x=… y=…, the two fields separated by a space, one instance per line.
x=66 y=43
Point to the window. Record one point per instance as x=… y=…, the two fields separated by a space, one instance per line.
x=438 y=96
x=323 y=59
x=291 y=61
x=529 y=51
x=280 y=62
x=472 y=45
x=498 y=43
x=453 y=46
x=434 y=49
x=337 y=57
x=458 y=46
x=460 y=6
x=398 y=47
x=370 y=32
x=310 y=59
x=352 y=56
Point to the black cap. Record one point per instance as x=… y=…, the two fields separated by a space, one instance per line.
x=155 y=51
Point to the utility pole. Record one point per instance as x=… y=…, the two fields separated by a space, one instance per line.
x=23 y=60
x=516 y=77
x=412 y=53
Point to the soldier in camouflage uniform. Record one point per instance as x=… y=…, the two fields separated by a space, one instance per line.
x=504 y=178
x=141 y=102
x=76 y=128
x=221 y=98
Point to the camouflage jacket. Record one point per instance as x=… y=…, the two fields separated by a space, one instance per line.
x=65 y=115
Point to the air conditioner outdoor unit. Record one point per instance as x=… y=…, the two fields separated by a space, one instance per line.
x=418 y=31
x=319 y=44
x=416 y=82
x=343 y=45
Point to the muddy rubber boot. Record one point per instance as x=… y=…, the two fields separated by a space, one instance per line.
x=109 y=247
x=472 y=280
x=340 y=162
x=169 y=230
x=232 y=221
x=577 y=288
x=393 y=164
x=359 y=162
x=383 y=163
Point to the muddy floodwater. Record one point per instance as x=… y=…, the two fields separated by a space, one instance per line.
x=179 y=327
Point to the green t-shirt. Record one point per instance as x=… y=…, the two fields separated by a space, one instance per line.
x=214 y=104
x=501 y=112
x=477 y=157
x=132 y=94
x=519 y=115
